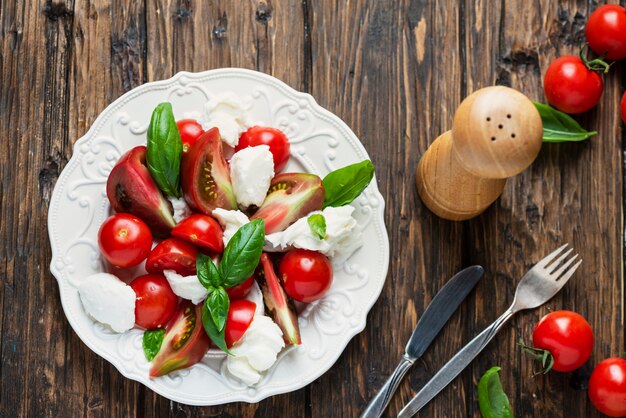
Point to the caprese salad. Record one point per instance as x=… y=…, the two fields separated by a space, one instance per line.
x=227 y=245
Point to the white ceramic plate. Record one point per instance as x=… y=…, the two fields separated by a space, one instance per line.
x=321 y=142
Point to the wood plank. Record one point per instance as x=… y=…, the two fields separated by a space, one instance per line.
x=572 y=193
x=106 y=61
x=35 y=48
x=196 y=36
x=385 y=61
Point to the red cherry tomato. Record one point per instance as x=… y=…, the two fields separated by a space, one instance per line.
x=241 y=290
x=240 y=315
x=306 y=275
x=607 y=387
x=274 y=138
x=155 y=303
x=173 y=254
x=570 y=86
x=190 y=130
x=624 y=107
x=606 y=31
x=124 y=240
x=567 y=336
x=202 y=230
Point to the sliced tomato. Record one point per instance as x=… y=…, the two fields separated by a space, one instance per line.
x=185 y=342
x=241 y=290
x=240 y=316
x=173 y=254
x=205 y=175
x=201 y=230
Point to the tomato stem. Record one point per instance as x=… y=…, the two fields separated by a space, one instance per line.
x=597 y=64
x=538 y=354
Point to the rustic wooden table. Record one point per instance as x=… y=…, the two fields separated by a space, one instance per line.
x=395 y=71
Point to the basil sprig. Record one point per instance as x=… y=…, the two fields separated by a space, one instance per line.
x=151 y=342
x=317 y=223
x=344 y=185
x=559 y=127
x=164 y=151
x=240 y=258
x=492 y=400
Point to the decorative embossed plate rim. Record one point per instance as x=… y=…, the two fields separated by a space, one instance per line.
x=74 y=217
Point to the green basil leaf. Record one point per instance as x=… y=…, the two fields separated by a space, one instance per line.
x=492 y=400
x=344 y=185
x=242 y=254
x=559 y=127
x=165 y=149
x=218 y=304
x=206 y=271
x=152 y=340
x=317 y=223
x=211 y=329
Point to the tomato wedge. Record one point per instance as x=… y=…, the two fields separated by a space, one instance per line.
x=201 y=230
x=240 y=316
x=173 y=254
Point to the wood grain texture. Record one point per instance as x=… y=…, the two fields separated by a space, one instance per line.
x=395 y=71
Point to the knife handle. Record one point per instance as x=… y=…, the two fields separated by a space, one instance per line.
x=454 y=367
x=378 y=405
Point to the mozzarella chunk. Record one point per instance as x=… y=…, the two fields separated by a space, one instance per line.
x=108 y=300
x=186 y=287
x=343 y=235
x=229 y=113
x=251 y=171
x=231 y=221
x=256 y=351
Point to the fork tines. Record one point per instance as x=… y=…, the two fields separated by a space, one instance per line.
x=553 y=265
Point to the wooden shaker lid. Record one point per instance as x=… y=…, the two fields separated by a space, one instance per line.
x=497 y=132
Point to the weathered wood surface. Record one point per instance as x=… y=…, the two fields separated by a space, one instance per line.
x=395 y=71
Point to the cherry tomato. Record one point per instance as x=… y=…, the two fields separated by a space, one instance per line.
x=241 y=290
x=624 y=107
x=607 y=387
x=306 y=275
x=190 y=130
x=274 y=138
x=240 y=315
x=124 y=240
x=606 y=31
x=173 y=254
x=570 y=86
x=567 y=336
x=155 y=303
x=202 y=230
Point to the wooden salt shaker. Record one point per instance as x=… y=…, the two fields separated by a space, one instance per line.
x=496 y=134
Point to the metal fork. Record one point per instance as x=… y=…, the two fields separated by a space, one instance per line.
x=537 y=287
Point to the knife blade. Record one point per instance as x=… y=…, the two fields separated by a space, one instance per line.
x=437 y=313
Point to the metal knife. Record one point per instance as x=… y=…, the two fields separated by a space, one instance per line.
x=437 y=313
